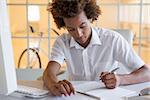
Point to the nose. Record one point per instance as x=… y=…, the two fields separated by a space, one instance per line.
x=79 y=33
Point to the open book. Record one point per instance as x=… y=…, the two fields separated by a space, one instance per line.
x=98 y=90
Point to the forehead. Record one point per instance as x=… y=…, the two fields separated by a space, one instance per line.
x=76 y=21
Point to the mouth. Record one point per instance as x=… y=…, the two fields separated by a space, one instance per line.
x=82 y=39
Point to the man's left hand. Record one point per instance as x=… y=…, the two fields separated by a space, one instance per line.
x=110 y=80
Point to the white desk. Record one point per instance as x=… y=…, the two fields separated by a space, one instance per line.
x=39 y=84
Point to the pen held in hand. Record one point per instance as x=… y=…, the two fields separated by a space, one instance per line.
x=114 y=70
x=109 y=73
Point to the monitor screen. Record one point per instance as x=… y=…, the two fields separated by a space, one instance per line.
x=8 y=83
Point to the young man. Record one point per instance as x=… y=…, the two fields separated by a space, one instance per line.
x=89 y=52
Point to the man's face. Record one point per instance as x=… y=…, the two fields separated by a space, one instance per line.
x=79 y=28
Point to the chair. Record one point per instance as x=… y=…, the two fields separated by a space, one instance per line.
x=29 y=73
x=34 y=74
x=127 y=34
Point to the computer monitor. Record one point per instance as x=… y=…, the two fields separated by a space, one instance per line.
x=8 y=82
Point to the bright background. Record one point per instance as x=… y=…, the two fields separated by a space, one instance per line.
x=28 y=18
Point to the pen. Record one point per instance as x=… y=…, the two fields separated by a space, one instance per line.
x=110 y=72
x=114 y=70
x=88 y=95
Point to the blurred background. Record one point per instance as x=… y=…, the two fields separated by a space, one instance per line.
x=34 y=32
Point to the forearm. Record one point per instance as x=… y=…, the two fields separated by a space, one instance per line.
x=49 y=78
x=137 y=76
x=50 y=74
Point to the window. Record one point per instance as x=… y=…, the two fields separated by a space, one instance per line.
x=33 y=13
x=32 y=26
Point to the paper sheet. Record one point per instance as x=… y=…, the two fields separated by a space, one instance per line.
x=98 y=89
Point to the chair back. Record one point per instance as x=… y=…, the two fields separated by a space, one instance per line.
x=127 y=34
x=29 y=74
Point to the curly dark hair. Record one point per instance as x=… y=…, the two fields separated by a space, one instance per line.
x=70 y=8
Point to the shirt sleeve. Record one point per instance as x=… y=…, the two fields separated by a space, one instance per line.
x=125 y=54
x=57 y=53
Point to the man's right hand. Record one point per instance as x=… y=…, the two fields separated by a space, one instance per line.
x=57 y=88
x=62 y=87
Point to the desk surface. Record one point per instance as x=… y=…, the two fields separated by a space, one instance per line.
x=39 y=84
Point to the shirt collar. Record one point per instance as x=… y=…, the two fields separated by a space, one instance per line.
x=95 y=40
x=73 y=43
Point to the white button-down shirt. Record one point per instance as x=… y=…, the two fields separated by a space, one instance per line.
x=105 y=49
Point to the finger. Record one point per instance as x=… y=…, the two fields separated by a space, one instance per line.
x=103 y=74
x=62 y=89
x=109 y=76
x=71 y=87
x=110 y=79
x=110 y=83
x=67 y=88
x=102 y=77
x=110 y=86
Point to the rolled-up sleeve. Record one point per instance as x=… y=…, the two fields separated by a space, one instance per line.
x=125 y=54
x=57 y=53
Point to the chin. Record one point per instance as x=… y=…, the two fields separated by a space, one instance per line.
x=82 y=42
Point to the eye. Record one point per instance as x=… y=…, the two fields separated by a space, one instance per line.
x=71 y=29
x=82 y=26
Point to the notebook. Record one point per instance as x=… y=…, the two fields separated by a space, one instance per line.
x=98 y=90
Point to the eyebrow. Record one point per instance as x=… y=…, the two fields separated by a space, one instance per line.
x=79 y=25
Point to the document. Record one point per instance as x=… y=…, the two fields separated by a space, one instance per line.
x=97 y=89
x=84 y=86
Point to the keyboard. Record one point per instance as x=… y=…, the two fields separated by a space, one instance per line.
x=32 y=92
